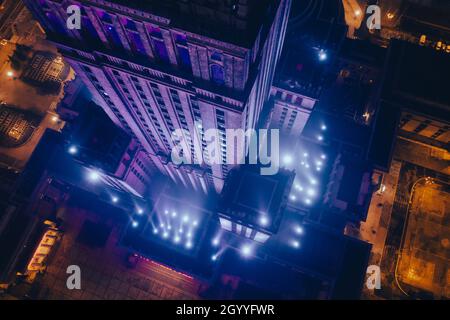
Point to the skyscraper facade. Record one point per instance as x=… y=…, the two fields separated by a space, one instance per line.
x=161 y=65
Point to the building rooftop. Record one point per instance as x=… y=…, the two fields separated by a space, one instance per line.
x=431 y=21
x=233 y=21
x=416 y=80
x=248 y=197
x=303 y=258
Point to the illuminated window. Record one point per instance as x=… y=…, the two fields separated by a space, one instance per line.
x=261 y=237
x=225 y=224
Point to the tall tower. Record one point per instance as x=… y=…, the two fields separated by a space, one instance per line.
x=160 y=65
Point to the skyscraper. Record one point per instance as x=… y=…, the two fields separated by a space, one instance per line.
x=160 y=65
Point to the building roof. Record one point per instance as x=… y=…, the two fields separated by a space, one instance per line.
x=236 y=21
x=415 y=79
x=300 y=71
x=247 y=195
x=363 y=52
x=431 y=21
x=323 y=257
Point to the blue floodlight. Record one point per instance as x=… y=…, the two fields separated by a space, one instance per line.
x=73 y=150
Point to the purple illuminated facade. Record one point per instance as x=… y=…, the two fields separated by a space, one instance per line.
x=164 y=65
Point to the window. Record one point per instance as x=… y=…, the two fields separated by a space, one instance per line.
x=217 y=74
x=216 y=56
x=130 y=25
x=56 y=23
x=136 y=43
x=161 y=50
x=225 y=223
x=89 y=32
x=158 y=43
x=181 y=39
x=185 y=60
x=113 y=36
x=155 y=32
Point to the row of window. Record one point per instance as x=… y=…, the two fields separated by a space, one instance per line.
x=220 y=118
x=143 y=167
x=113 y=28
x=174 y=95
x=138 y=175
x=90 y=75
